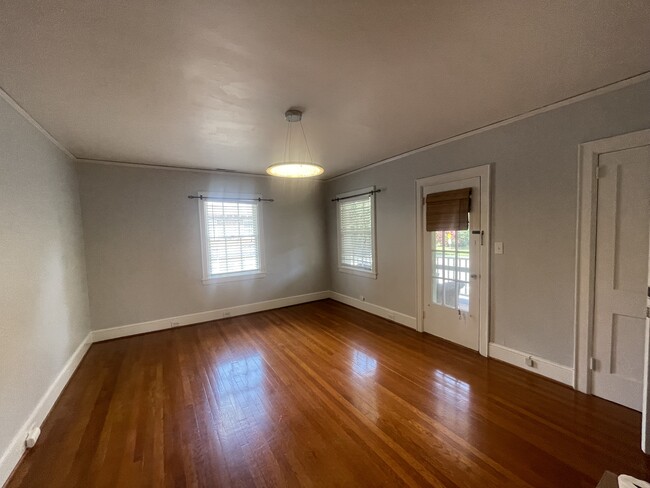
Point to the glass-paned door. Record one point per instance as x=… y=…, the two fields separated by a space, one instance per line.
x=451 y=292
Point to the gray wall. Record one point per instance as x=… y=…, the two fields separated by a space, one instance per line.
x=43 y=292
x=143 y=246
x=534 y=214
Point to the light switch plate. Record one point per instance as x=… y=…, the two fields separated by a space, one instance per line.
x=498 y=248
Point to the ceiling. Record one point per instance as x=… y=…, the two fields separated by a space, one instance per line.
x=205 y=83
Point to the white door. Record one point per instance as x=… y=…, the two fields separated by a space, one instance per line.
x=621 y=275
x=451 y=264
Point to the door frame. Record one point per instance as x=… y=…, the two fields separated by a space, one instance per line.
x=588 y=154
x=483 y=172
x=645 y=425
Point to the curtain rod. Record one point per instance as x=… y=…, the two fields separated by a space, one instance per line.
x=203 y=197
x=371 y=192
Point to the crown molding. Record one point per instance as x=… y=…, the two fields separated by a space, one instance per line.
x=14 y=104
x=168 y=167
x=193 y=169
x=610 y=87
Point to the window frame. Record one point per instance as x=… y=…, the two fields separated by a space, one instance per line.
x=209 y=279
x=343 y=268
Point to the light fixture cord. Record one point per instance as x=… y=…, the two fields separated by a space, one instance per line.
x=290 y=141
x=306 y=143
x=286 y=141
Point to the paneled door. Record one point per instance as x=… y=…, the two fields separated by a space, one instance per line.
x=621 y=280
x=452 y=264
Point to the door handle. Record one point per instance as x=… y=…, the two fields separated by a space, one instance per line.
x=473 y=276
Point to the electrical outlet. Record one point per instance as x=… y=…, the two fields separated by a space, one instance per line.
x=498 y=248
x=226 y=314
x=530 y=362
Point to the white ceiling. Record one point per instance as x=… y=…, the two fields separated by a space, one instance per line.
x=206 y=83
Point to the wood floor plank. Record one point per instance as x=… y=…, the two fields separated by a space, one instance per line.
x=320 y=394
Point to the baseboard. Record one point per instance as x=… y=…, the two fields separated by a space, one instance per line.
x=16 y=448
x=195 y=318
x=386 y=313
x=541 y=366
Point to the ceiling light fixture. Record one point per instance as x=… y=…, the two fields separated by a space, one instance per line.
x=301 y=167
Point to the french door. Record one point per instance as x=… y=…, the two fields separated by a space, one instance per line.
x=451 y=273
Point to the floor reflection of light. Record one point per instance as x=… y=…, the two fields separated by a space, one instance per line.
x=241 y=398
x=452 y=389
x=364 y=393
x=363 y=364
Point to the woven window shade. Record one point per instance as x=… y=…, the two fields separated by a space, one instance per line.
x=448 y=210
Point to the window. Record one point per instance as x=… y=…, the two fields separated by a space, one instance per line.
x=356 y=232
x=231 y=238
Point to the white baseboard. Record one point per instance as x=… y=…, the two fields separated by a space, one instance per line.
x=16 y=448
x=541 y=366
x=386 y=313
x=195 y=318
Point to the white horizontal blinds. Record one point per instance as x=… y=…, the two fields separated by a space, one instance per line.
x=356 y=233
x=233 y=237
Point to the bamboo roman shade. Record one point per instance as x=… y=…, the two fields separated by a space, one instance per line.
x=448 y=210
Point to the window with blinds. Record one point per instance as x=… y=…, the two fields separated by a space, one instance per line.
x=231 y=235
x=356 y=232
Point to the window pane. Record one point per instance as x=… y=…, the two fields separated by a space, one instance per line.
x=437 y=268
x=450 y=293
x=438 y=288
x=463 y=241
x=450 y=239
x=356 y=233
x=463 y=296
x=233 y=237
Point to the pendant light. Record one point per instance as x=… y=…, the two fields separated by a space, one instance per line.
x=302 y=167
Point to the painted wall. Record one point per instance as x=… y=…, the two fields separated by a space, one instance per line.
x=534 y=214
x=143 y=245
x=43 y=295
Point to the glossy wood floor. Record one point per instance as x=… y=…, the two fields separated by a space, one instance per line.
x=320 y=395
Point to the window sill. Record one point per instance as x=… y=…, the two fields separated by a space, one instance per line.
x=358 y=272
x=215 y=280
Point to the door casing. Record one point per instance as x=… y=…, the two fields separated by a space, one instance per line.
x=483 y=172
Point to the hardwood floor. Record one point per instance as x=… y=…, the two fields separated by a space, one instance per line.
x=320 y=394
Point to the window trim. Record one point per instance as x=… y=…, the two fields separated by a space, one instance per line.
x=209 y=279
x=373 y=222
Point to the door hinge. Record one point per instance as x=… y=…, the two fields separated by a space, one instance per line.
x=647 y=312
x=598 y=172
x=593 y=364
x=424 y=201
x=423 y=314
